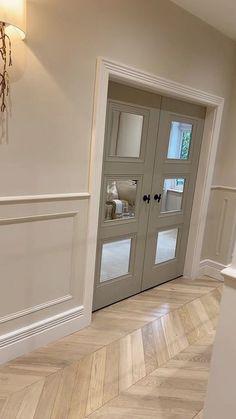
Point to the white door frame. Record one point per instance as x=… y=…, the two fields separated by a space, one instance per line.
x=107 y=69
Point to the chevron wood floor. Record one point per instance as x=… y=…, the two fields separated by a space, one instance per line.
x=175 y=390
x=146 y=357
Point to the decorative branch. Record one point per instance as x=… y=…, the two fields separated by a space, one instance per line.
x=5 y=53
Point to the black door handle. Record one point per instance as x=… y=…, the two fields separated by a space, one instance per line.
x=157 y=197
x=147 y=198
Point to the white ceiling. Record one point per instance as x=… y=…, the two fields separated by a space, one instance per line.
x=219 y=13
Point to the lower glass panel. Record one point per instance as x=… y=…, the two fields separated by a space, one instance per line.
x=166 y=245
x=115 y=259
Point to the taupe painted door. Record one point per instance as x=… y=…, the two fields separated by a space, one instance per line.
x=174 y=177
x=149 y=172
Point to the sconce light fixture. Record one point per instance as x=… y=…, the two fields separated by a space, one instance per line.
x=12 y=14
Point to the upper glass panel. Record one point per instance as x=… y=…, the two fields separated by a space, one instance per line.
x=126 y=134
x=120 y=199
x=180 y=141
x=115 y=259
x=172 y=195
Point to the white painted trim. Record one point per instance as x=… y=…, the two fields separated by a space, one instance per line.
x=122 y=72
x=221 y=226
x=39 y=217
x=212 y=268
x=229 y=273
x=34 y=309
x=223 y=188
x=109 y=69
x=26 y=339
x=45 y=197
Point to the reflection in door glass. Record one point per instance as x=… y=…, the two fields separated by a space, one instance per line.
x=180 y=141
x=126 y=134
x=166 y=245
x=172 y=196
x=115 y=259
x=120 y=199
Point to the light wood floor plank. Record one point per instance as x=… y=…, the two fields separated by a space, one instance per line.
x=79 y=397
x=48 y=396
x=111 y=381
x=62 y=403
x=96 y=387
x=30 y=401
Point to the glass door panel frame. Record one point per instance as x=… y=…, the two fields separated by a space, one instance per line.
x=159 y=187
x=112 y=223
x=177 y=244
x=129 y=274
x=173 y=117
x=131 y=109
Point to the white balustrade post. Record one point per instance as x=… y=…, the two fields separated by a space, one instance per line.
x=221 y=395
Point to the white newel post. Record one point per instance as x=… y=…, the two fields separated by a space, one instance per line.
x=221 y=395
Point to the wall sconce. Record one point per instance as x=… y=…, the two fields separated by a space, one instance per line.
x=12 y=13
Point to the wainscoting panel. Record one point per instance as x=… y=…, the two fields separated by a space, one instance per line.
x=42 y=262
x=220 y=231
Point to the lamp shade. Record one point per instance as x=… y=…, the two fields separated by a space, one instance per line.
x=13 y=13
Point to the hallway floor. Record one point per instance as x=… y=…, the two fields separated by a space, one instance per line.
x=145 y=357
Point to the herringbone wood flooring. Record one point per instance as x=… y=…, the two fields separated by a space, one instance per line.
x=144 y=357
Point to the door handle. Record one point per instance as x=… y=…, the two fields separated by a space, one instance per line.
x=157 y=197
x=147 y=198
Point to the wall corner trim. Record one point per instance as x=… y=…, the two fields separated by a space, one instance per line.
x=212 y=268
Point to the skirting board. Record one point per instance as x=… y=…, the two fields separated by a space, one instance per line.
x=211 y=268
x=21 y=341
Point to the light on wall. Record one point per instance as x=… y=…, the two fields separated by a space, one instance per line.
x=12 y=13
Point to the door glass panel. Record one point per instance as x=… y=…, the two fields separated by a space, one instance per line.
x=126 y=134
x=120 y=199
x=172 y=196
x=115 y=259
x=166 y=245
x=180 y=141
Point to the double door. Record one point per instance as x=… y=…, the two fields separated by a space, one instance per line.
x=149 y=173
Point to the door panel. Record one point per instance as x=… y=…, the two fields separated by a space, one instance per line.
x=174 y=177
x=127 y=176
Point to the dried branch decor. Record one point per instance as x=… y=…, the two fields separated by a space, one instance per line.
x=5 y=51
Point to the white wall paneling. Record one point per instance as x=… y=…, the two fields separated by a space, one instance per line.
x=42 y=241
x=220 y=230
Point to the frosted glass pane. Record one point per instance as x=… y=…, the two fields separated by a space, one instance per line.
x=120 y=199
x=115 y=259
x=180 y=141
x=126 y=134
x=172 y=195
x=166 y=245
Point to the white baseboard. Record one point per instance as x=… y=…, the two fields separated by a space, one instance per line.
x=211 y=268
x=21 y=341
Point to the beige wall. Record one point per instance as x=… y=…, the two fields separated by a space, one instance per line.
x=48 y=146
x=52 y=94
x=225 y=170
